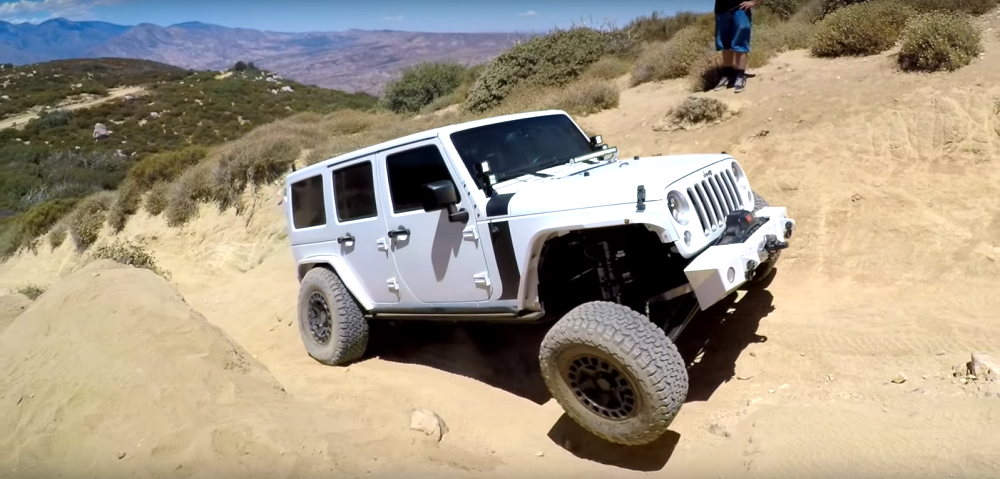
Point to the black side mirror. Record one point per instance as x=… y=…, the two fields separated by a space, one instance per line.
x=596 y=141
x=442 y=194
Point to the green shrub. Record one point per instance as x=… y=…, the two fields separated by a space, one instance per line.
x=57 y=235
x=706 y=73
x=673 y=59
x=972 y=7
x=864 y=29
x=608 y=68
x=783 y=9
x=165 y=166
x=695 y=110
x=421 y=85
x=939 y=41
x=660 y=28
x=264 y=157
x=551 y=60
x=86 y=221
x=157 y=168
x=194 y=186
x=41 y=218
x=156 y=200
x=587 y=97
x=32 y=291
x=810 y=12
x=830 y=6
x=131 y=254
x=768 y=41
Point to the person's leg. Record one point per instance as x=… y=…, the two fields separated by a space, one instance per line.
x=741 y=45
x=724 y=43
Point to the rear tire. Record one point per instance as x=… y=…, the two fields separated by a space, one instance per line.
x=614 y=372
x=331 y=324
x=764 y=269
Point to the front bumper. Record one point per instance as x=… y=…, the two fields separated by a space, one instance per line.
x=721 y=269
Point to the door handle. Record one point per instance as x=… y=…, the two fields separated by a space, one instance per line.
x=400 y=232
x=345 y=239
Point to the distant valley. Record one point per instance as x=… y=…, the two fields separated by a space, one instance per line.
x=352 y=60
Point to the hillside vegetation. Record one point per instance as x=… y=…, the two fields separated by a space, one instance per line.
x=171 y=164
x=53 y=161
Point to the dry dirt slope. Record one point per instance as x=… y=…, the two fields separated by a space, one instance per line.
x=895 y=184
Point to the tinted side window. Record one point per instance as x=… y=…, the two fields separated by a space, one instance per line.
x=308 y=203
x=409 y=171
x=354 y=192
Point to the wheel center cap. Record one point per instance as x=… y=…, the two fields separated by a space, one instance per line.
x=603 y=384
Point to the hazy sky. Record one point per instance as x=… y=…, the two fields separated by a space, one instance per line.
x=312 y=15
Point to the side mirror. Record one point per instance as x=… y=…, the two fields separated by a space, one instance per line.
x=441 y=195
x=596 y=141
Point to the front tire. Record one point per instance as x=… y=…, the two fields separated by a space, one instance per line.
x=764 y=269
x=331 y=324
x=614 y=372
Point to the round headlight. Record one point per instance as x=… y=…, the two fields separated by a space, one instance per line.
x=678 y=207
x=738 y=175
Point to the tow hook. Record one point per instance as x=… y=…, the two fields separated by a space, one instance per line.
x=751 y=267
x=789 y=229
x=773 y=244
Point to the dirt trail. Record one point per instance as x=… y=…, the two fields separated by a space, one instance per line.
x=894 y=184
x=20 y=120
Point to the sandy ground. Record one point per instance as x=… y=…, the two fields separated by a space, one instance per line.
x=894 y=183
x=113 y=93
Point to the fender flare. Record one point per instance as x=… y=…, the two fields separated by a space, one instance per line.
x=528 y=289
x=339 y=266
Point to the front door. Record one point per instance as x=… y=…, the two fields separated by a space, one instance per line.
x=359 y=230
x=438 y=260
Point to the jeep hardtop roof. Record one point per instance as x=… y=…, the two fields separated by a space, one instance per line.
x=419 y=136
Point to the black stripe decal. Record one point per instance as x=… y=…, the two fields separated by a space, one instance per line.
x=503 y=251
x=498 y=205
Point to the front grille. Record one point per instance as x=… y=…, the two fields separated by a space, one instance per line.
x=713 y=198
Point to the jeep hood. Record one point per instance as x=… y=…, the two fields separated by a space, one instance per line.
x=583 y=185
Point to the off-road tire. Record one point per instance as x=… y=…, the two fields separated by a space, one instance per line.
x=633 y=345
x=348 y=337
x=764 y=269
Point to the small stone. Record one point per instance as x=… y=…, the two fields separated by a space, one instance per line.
x=771 y=391
x=540 y=453
x=899 y=379
x=743 y=377
x=429 y=423
x=753 y=354
x=121 y=455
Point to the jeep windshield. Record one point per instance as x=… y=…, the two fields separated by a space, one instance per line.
x=521 y=147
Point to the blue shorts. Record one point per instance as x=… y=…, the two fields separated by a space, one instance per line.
x=732 y=31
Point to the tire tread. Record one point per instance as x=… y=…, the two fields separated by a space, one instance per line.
x=632 y=340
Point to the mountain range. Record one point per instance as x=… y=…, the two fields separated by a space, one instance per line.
x=351 y=60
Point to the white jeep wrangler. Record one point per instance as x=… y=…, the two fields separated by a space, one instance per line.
x=523 y=217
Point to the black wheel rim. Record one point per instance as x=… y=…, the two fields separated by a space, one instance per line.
x=320 y=322
x=601 y=387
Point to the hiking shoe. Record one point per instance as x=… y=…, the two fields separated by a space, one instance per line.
x=723 y=83
x=741 y=84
